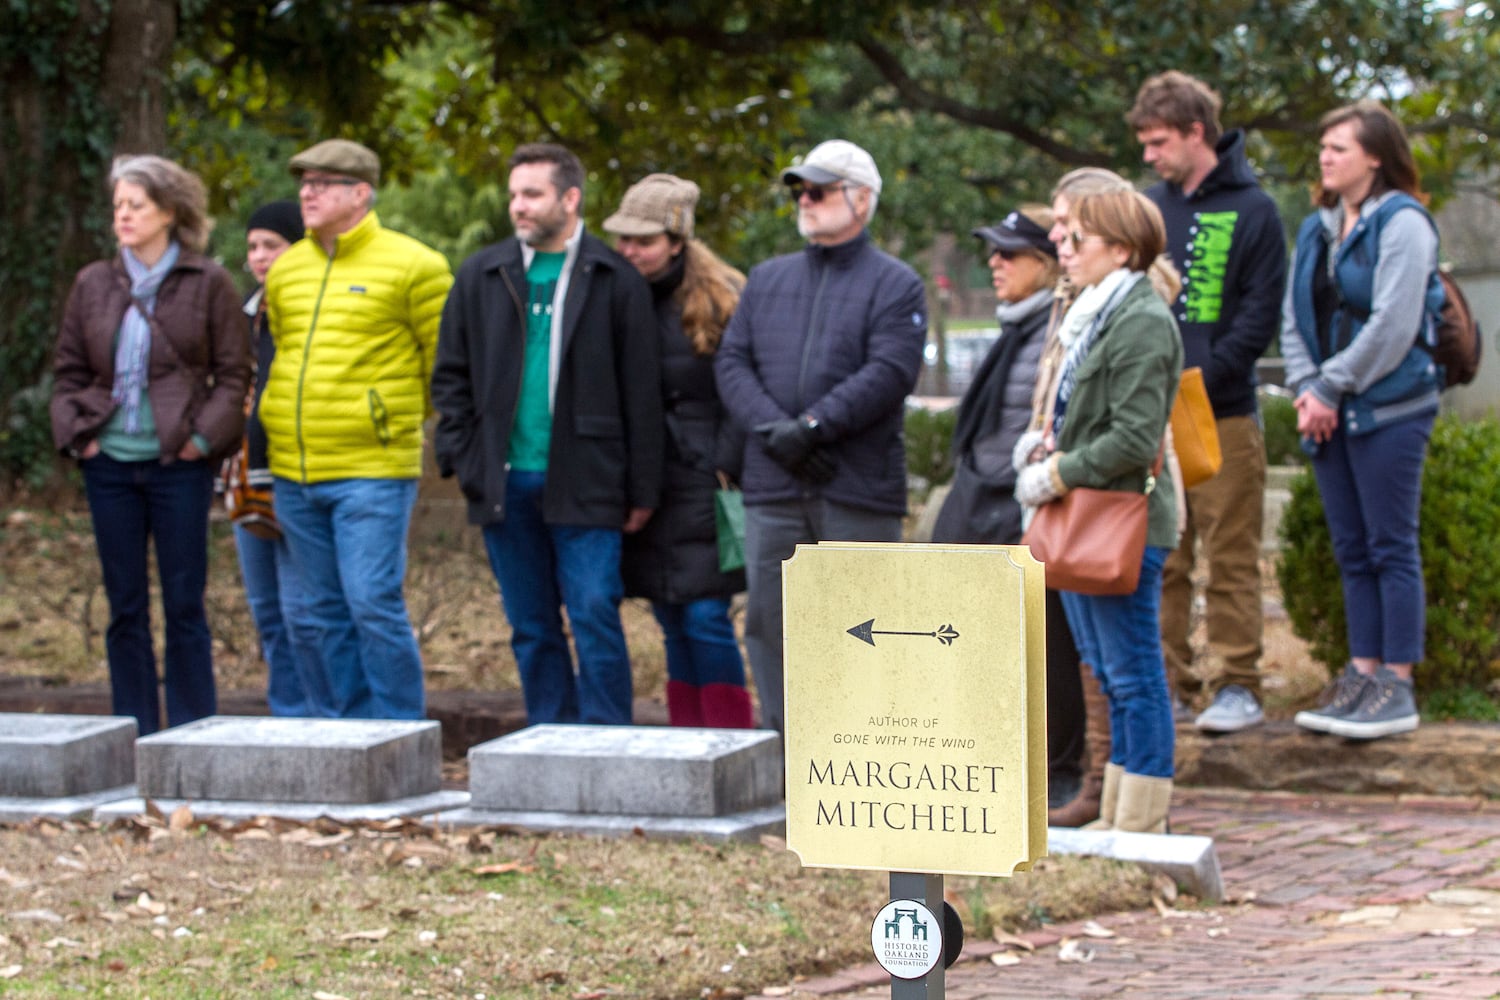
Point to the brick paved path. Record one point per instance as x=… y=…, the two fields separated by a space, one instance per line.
x=1331 y=896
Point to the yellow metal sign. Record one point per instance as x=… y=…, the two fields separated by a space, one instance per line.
x=915 y=715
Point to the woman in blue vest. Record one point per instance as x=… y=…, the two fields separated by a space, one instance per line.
x=1355 y=335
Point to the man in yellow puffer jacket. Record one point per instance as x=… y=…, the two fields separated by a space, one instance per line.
x=354 y=310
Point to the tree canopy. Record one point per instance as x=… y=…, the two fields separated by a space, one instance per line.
x=966 y=105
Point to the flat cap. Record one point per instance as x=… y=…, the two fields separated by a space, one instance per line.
x=339 y=156
x=657 y=203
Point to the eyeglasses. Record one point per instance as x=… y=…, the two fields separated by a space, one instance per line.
x=815 y=193
x=1079 y=239
x=1005 y=255
x=317 y=185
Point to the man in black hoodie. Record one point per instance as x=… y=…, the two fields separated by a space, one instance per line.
x=1225 y=236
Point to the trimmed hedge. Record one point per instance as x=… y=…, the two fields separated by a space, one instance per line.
x=1460 y=561
x=929 y=446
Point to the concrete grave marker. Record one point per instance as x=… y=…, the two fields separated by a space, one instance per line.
x=63 y=765
x=56 y=755
x=666 y=781
x=339 y=761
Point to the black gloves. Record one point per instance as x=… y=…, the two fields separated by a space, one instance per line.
x=793 y=443
x=788 y=441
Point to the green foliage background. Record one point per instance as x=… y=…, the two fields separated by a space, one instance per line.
x=969 y=108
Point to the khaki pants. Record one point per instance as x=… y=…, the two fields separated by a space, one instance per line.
x=1224 y=518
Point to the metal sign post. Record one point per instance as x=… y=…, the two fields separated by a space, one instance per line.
x=927 y=890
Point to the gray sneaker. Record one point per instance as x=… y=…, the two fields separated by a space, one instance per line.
x=1388 y=707
x=1233 y=709
x=1347 y=691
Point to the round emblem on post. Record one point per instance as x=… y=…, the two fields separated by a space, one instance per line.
x=907 y=939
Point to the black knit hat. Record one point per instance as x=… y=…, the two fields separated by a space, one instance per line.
x=281 y=217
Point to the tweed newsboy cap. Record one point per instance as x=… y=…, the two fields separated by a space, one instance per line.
x=657 y=203
x=339 y=156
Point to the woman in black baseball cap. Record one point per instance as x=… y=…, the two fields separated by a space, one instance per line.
x=996 y=409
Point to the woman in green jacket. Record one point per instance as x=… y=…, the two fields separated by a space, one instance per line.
x=1113 y=399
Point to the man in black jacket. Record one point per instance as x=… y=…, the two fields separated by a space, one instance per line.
x=816 y=364
x=546 y=385
x=1224 y=234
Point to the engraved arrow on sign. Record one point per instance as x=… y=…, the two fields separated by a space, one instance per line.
x=866 y=631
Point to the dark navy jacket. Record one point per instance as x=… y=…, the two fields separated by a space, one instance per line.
x=836 y=332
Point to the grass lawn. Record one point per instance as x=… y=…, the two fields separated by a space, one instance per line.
x=173 y=907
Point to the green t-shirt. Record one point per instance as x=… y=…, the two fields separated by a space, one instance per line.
x=531 y=434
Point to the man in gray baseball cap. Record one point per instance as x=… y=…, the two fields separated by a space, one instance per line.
x=817 y=362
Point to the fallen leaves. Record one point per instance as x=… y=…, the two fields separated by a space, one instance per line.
x=40 y=915
x=181 y=819
x=1010 y=940
x=503 y=868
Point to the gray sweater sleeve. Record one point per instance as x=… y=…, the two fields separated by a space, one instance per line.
x=1408 y=254
x=1300 y=366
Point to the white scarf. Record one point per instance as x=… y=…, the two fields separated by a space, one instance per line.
x=1079 y=327
x=1084 y=308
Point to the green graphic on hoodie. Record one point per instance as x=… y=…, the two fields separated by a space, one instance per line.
x=1208 y=265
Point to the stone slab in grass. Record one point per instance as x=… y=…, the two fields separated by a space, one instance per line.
x=275 y=760
x=628 y=771
x=344 y=812
x=19 y=809
x=1191 y=862
x=56 y=756
x=750 y=825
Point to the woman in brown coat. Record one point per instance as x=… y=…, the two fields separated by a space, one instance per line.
x=150 y=375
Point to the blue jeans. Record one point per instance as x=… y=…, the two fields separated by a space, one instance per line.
x=699 y=637
x=1372 y=496
x=270 y=584
x=347 y=542
x=133 y=505
x=1121 y=638
x=540 y=568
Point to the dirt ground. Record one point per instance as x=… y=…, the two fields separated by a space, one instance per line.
x=172 y=906
x=53 y=613
x=53 y=610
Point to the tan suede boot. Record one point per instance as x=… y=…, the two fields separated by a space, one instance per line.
x=1109 y=798
x=1143 y=804
x=1084 y=807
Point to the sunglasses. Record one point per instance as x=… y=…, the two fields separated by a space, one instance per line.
x=317 y=185
x=815 y=193
x=1005 y=255
x=1078 y=239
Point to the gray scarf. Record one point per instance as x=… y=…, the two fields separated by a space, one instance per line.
x=133 y=349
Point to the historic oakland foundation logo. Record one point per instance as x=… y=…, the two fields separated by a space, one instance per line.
x=907 y=939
